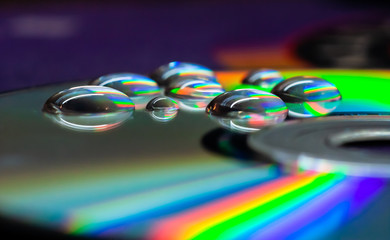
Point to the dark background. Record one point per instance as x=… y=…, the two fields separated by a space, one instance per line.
x=49 y=42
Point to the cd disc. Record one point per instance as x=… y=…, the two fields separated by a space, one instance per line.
x=318 y=144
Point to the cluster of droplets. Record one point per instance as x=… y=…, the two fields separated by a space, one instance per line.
x=111 y=99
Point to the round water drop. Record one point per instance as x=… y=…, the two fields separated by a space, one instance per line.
x=196 y=88
x=181 y=69
x=162 y=109
x=133 y=85
x=162 y=103
x=89 y=108
x=307 y=96
x=247 y=110
x=264 y=78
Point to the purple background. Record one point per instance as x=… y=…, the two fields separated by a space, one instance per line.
x=48 y=43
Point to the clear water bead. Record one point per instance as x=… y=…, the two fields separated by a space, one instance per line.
x=308 y=96
x=179 y=69
x=133 y=85
x=162 y=103
x=89 y=108
x=162 y=109
x=247 y=110
x=264 y=78
x=193 y=87
x=88 y=100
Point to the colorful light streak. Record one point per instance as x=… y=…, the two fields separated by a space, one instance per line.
x=278 y=209
x=155 y=202
x=131 y=84
x=363 y=91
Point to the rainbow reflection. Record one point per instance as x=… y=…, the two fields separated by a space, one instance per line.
x=363 y=91
x=247 y=110
x=308 y=96
x=131 y=84
x=275 y=210
x=194 y=88
x=89 y=108
x=165 y=73
x=265 y=79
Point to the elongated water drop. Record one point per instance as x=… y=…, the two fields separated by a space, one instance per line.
x=308 y=96
x=247 y=110
x=181 y=69
x=133 y=85
x=264 y=78
x=89 y=108
x=194 y=87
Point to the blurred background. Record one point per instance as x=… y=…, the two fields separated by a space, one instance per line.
x=44 y=42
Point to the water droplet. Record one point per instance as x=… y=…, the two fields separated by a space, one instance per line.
x=92 y=122
x=88 y=100
x=133 y=85
x=181 y=69
x=162 y=109
x=195 y=87
x=89 y=108
x=247 y=110
x=307 y=96
x=264 y=78
x=162 y=103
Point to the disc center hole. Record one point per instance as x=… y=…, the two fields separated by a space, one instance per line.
x=371 y=140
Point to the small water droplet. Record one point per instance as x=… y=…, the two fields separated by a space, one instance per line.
x=181 y=69
x=133 y=85
x=89 y=108
x=162 y=103
x=162 y=109
x=308 y=96
x=195 y=87
x=264 y=78
x=247 y=110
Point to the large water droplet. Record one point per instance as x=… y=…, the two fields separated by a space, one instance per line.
x=162 y=109
x=247 y=110
x=307 y=96
x=194 y=87
x=264 y=78
x=88 y=100
x=89 y=108
x=181 y=69
x=133 y=85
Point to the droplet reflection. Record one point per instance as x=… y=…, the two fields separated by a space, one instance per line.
x=91 y=123
x=307 y=96
x=195 y=88
x=180 y=69
x=89 y=108
x=264 y=78
x=247 y=110
x=133 y=85
x=193 y=105
x=162 y=109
